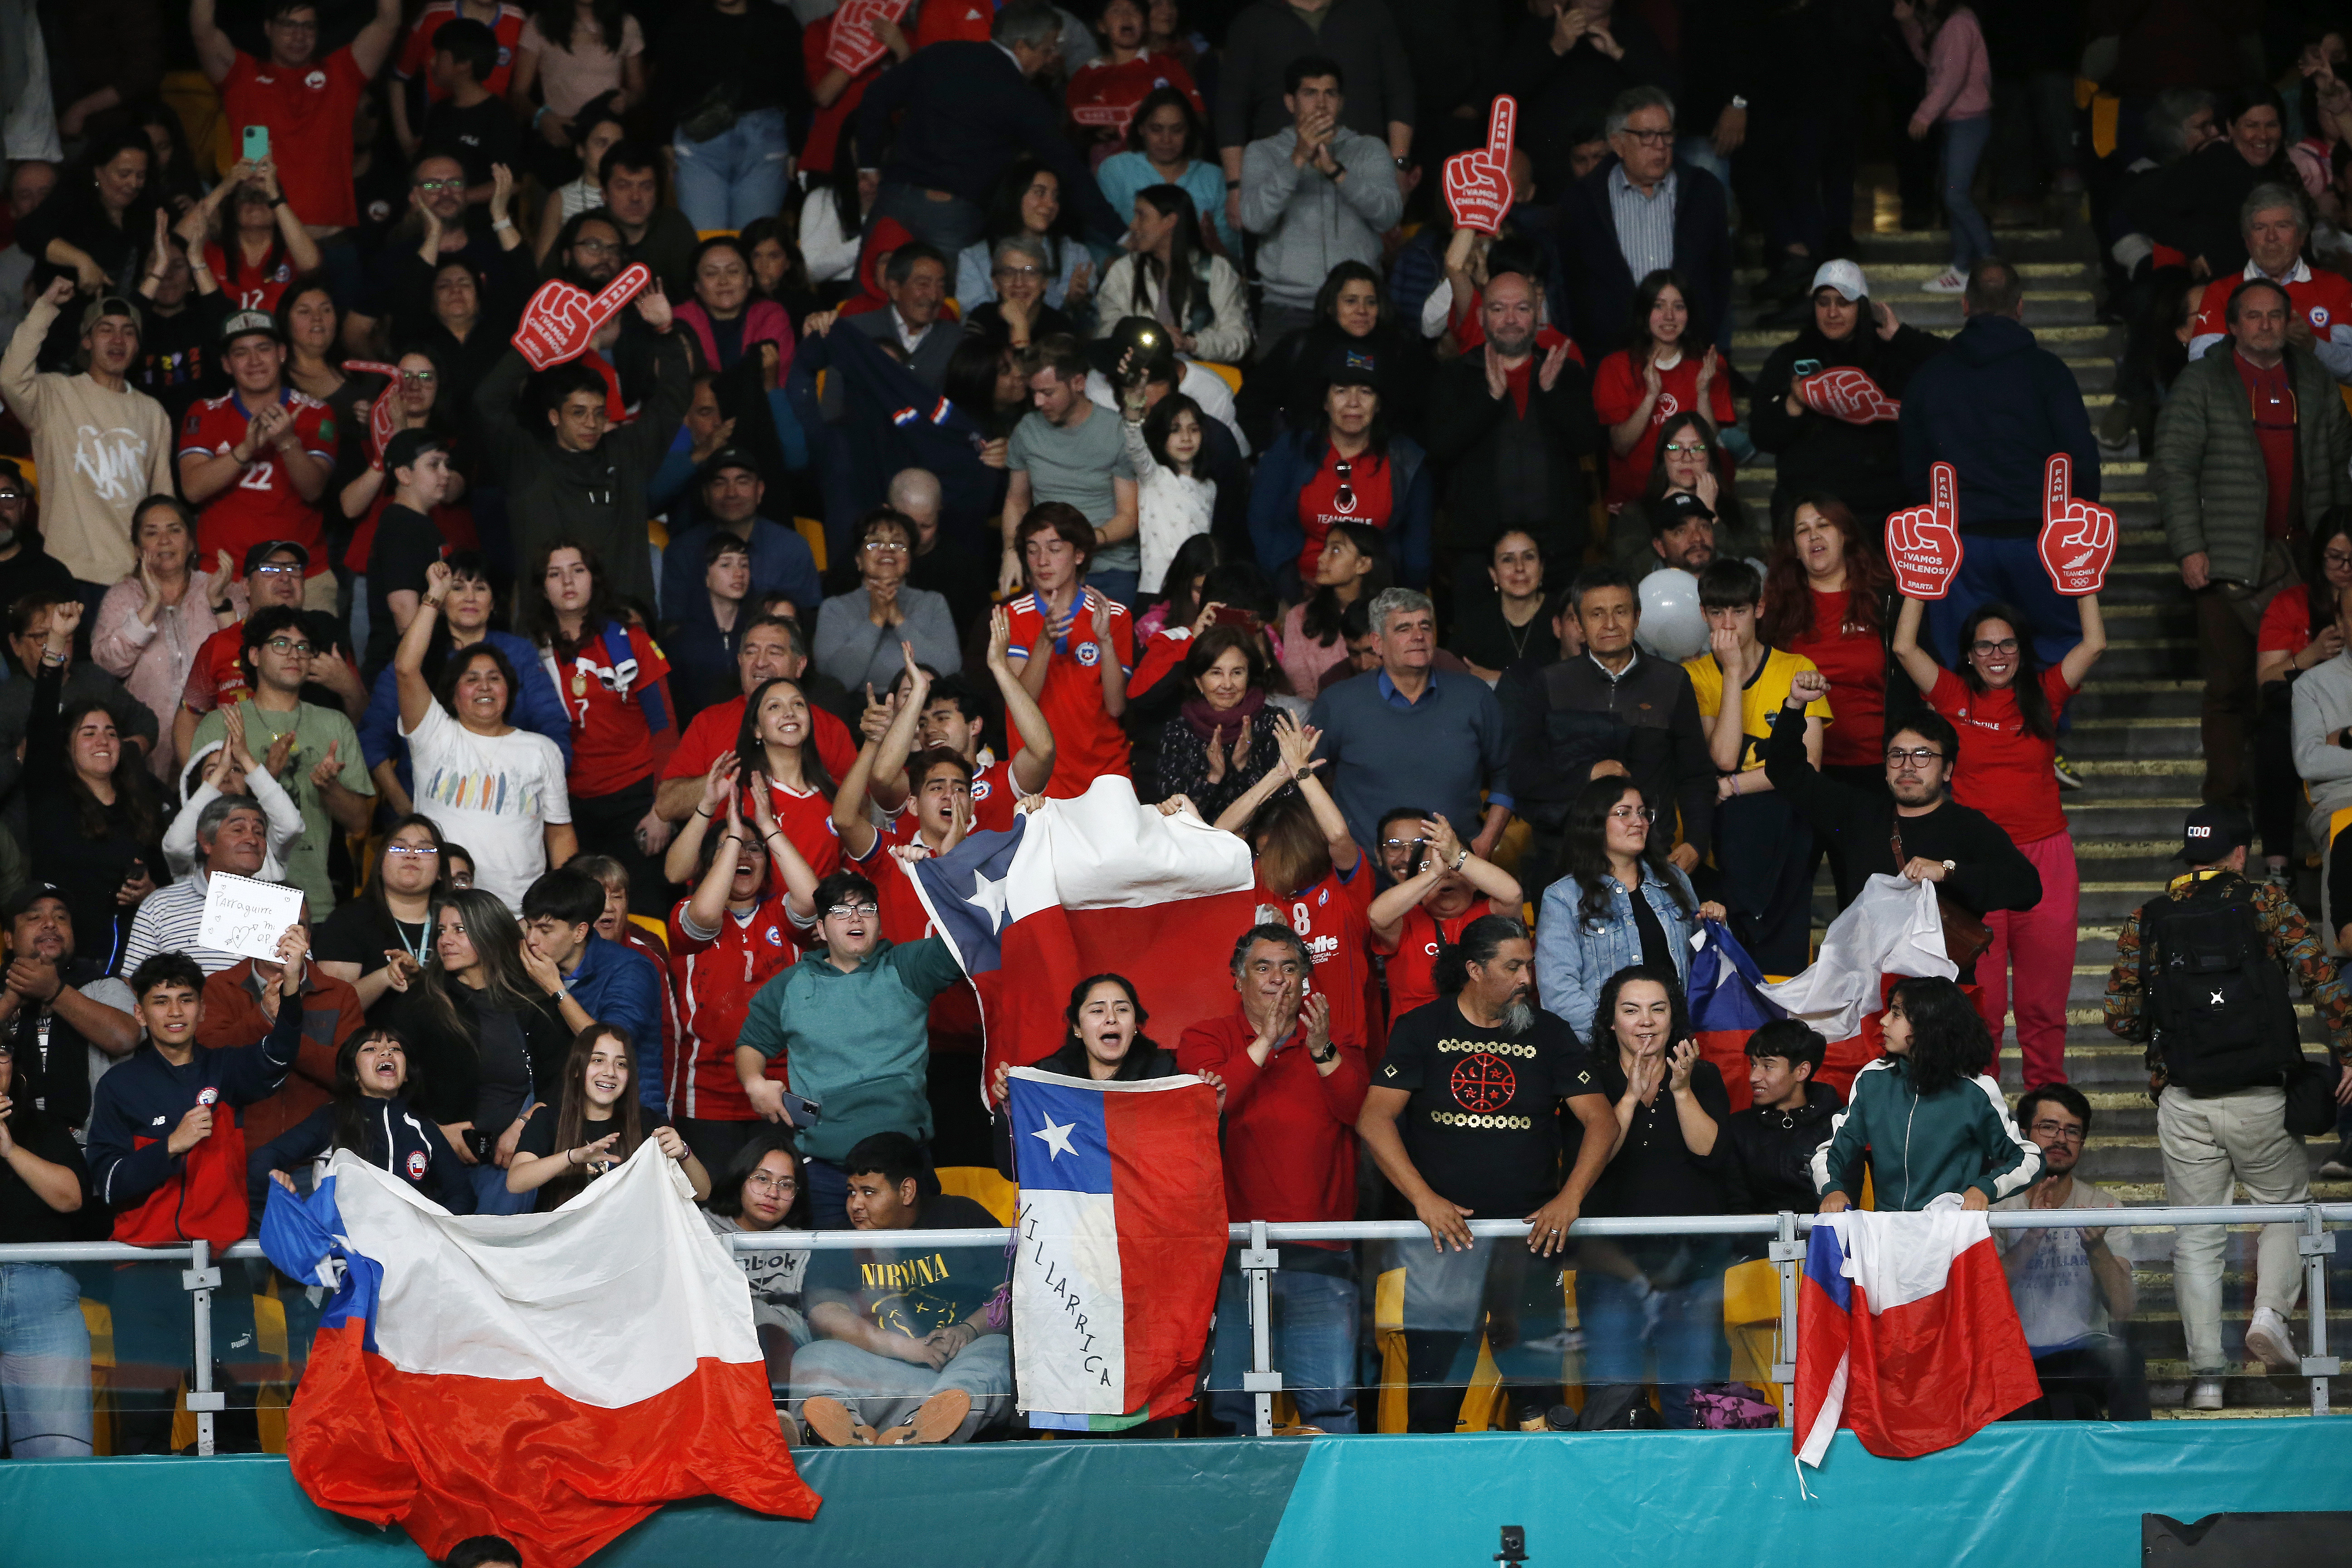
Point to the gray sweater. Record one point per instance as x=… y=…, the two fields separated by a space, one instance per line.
x=852 y=649
x=1307 y=224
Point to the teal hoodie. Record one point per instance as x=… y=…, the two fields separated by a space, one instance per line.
x=858 y=1043
x=1920 y=1148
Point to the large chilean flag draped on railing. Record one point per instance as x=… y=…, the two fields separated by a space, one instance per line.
x=1084 y=886
x=1122 y=1238
x=1906 y=1333
x=549 y=1378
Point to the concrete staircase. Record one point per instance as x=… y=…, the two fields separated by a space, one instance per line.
x=2135 y=742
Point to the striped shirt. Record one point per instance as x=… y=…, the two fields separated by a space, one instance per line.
x=1645 y=225
x=167 y=921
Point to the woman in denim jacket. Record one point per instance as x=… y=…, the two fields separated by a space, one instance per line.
x=1589 y=928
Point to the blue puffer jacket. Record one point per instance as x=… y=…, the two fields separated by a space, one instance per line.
x=1574 y=958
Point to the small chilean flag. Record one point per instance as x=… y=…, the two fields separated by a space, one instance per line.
x=551 y=1378
x=1122 y=1238
x=1906 y=1333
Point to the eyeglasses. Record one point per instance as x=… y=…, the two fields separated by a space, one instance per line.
x=1633 y=814
x=277 y=569
x=1897 y=756
x=1648 y=138
x=415 y=851
x=417 y=377
x=1688 y=448
x=768 y=1183
x=288 y=644
x=1345 y=498
x=1987 y=649
x=884 y=547
x=2335 y=558
x=2059 y=1132
x=1021 y=272
x=595 y=247
x=844 y=911
x=431 y=187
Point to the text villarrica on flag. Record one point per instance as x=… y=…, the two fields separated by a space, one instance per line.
x=549 y=1378
x=1092 y=885
x=1120 y=1241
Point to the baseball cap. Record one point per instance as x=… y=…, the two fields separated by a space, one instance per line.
x=1351 y=366
x=12 y=478
x=2213 y=831
x=107 y=305
x=30 y=894
x=247 y=323
x=722 y=460
x=1845 y=277
x=269 y=547
x=407 y=446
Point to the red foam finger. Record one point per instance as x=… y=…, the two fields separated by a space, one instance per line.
x=1500 y=124
x=1944 y=485
x=2058 y=484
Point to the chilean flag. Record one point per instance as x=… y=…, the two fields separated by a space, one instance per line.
x=1122 y=1239
x=1726 y=1005
x=1906 y=1333
x=1083 y=887
x=551 y=1378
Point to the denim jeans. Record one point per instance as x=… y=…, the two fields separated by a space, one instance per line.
x=43 y=1364
x=2009 y=570
x=737 y=176
x=1314 y=1343
x=1115 y=583
x=1964 y=143
x=1681 y=1327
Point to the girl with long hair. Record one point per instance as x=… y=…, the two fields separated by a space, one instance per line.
x=1175 y=502
x=2299 y=634
x=380 y=941
x=1183 y=584
x=1659 y=1297
x=1686 y=483
x=1668 y=368
x=1354 y=568
x=598 y=1124
x=261 y=247
x=1346 y=468
x=98 y=223
x=372 y=1116
x=1621 y=902
x=1165 y=144
x=779 y=272
x=1512 y=626
x=1826 y=596
x=1926 y=1117
x=781 y=775
x=2008 y=706
x=1105 y=1044
x=615 y=685
x=573 y=54
x=1168 y=275
x=1029 y=200
x=764 y=1188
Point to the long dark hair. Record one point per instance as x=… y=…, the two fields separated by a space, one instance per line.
x=727 y=1187
x=1183 y=280
x=1320 y=620
x=1788 y=601
x=1196 y=135
x=1282 y=834
x=1588 y=850
x=1674 y=425
x=1005 y=211
x=354 y=1128
x=752 y=754
x=971 y=383
x=2032 y=702
x=375 y=894
x=534 y=616
x=1139 y=1049
x=1327 y=298
x=795 y=280
x=1480 y=940
x=1193 y=558
x=1162 y=417
x=556 y=16
x=571 y=1108
x=1694 y=342
x=2335 y=524
x=135 y=789
x=1949 y=1042
x=497 y=937
x=1605 y=1008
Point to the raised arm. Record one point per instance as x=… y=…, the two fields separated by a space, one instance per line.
x=706 y=907
x=1033 y=764
x=718 y=787
x=2076 y=666
x=886 y=784
x=1446 y=853
x=375 y=41
x=214 y=53
x=408 y=658
x=1916 y=662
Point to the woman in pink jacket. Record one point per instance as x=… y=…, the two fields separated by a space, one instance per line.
x=727 y=321
x=1944 y=35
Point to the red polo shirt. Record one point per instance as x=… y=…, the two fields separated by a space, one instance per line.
x=1290 y=1132
x=2272 y=396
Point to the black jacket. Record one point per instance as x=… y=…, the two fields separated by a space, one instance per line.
x=53 y=1076
x=1566 y=716
x=399 y=1139
x=1470 y=433
x=1599 y=283
x=1766 y=1152
x=2194 y=208
x=1556 y=94
x=1859 y=464
x=1995 y=403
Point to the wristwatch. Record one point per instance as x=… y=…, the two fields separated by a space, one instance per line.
x=1325 y=1056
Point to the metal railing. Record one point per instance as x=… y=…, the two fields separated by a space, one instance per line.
x=1260 y=1241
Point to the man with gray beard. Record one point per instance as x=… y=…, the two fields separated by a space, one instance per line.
x=1461 y=1119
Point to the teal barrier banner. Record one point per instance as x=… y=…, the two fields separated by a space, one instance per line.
x=2051 y=1495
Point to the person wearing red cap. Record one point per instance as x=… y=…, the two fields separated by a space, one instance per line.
x=256 y=460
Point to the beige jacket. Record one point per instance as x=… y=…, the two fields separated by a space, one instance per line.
x=99 y=455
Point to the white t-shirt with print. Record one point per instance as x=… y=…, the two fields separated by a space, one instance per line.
x=494 y=795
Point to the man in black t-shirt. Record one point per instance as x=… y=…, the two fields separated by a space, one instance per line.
x=1463 y=1120
x=470 y=123
x=907 y=1350
x=408 y=541
x=25 y=566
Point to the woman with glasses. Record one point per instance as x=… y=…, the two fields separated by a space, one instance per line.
x=858 y=633
x=1668 y=368
x=2008 y=707
x=379 y=941
x=1686 y=489
x=151 y=625
x=1019 y=315
x=2299 y=632
x=375 y=1115
x=758 y=1190
x=1436 y=888
x=1622 y=902
x=1348 y=468
x=1029 y=201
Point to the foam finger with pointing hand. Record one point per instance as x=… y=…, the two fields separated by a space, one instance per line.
x=2078 y=537
x=1923 y=543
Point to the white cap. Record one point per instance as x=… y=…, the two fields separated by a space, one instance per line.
x=1845 y=277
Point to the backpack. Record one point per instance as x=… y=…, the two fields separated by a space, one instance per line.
x=2217 y=1010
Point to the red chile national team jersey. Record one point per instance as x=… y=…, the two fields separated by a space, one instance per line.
x=1087 y=742
x=1413 y=961
x=263 y=504
x=1329 y=917
x=713 y=982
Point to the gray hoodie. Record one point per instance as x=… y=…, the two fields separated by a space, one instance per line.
x=1307 y=224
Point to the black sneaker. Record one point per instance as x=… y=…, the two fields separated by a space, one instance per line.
x=2067 y=777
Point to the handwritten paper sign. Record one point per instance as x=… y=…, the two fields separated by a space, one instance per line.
x=245 y=917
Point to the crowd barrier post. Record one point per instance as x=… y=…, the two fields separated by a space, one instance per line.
x=2317 y=1244
x=1786 y=1252
x=1262 y=1381
x=200 y=1281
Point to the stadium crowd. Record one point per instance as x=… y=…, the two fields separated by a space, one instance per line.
x=1024 y=398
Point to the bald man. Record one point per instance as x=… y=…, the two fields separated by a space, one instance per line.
x=943 y=564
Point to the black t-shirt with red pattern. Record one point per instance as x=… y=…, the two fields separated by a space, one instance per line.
x=1482 y=1127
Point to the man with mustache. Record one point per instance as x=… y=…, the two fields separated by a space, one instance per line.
x=1460 y=1118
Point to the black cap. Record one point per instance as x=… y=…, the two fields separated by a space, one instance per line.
x=32 y=893
x=1349 y=365
x=262 y=552
x=724 y=459
x=2213 y=831
x=407 y=446
x=1149 y=341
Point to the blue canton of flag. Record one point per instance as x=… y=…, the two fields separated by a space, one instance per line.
x=1060 y=1142
x=966 y=891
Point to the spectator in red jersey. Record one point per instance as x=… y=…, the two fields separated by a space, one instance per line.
x=728 y=938
x=1668 y=369
x=1351 y=467
x=1105 y=93
x=505 y=23
x=2320 y=322
x=615 y=683
x=263 y=245
x=257 y=461
x=1826 y=599
x=1436 y=888
x=1291 y=1080
x=2299 y=632
x=947 y=715
x=274 y=574
x=306 y=104
x=2006 y=709
x=150 y=624
x=837 y=92
x=1074 y=647
x=769 y=648
x=778 y=764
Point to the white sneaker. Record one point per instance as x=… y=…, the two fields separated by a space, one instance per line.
x=2268 y=1341
x=1950 y=281
x=2205 y=1394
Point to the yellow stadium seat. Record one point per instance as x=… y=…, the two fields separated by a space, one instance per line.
x=984 y=1186
x=1483 y=1402
x=191 y=95
x=1231 y=374
x=652 y=925
x=99 y=1319
x=271 y=1396
x=658 y=532
x=717 y=233
x=811 y=529
x=1751 y=1321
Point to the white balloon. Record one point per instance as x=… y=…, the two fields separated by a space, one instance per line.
x=1673 y=626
